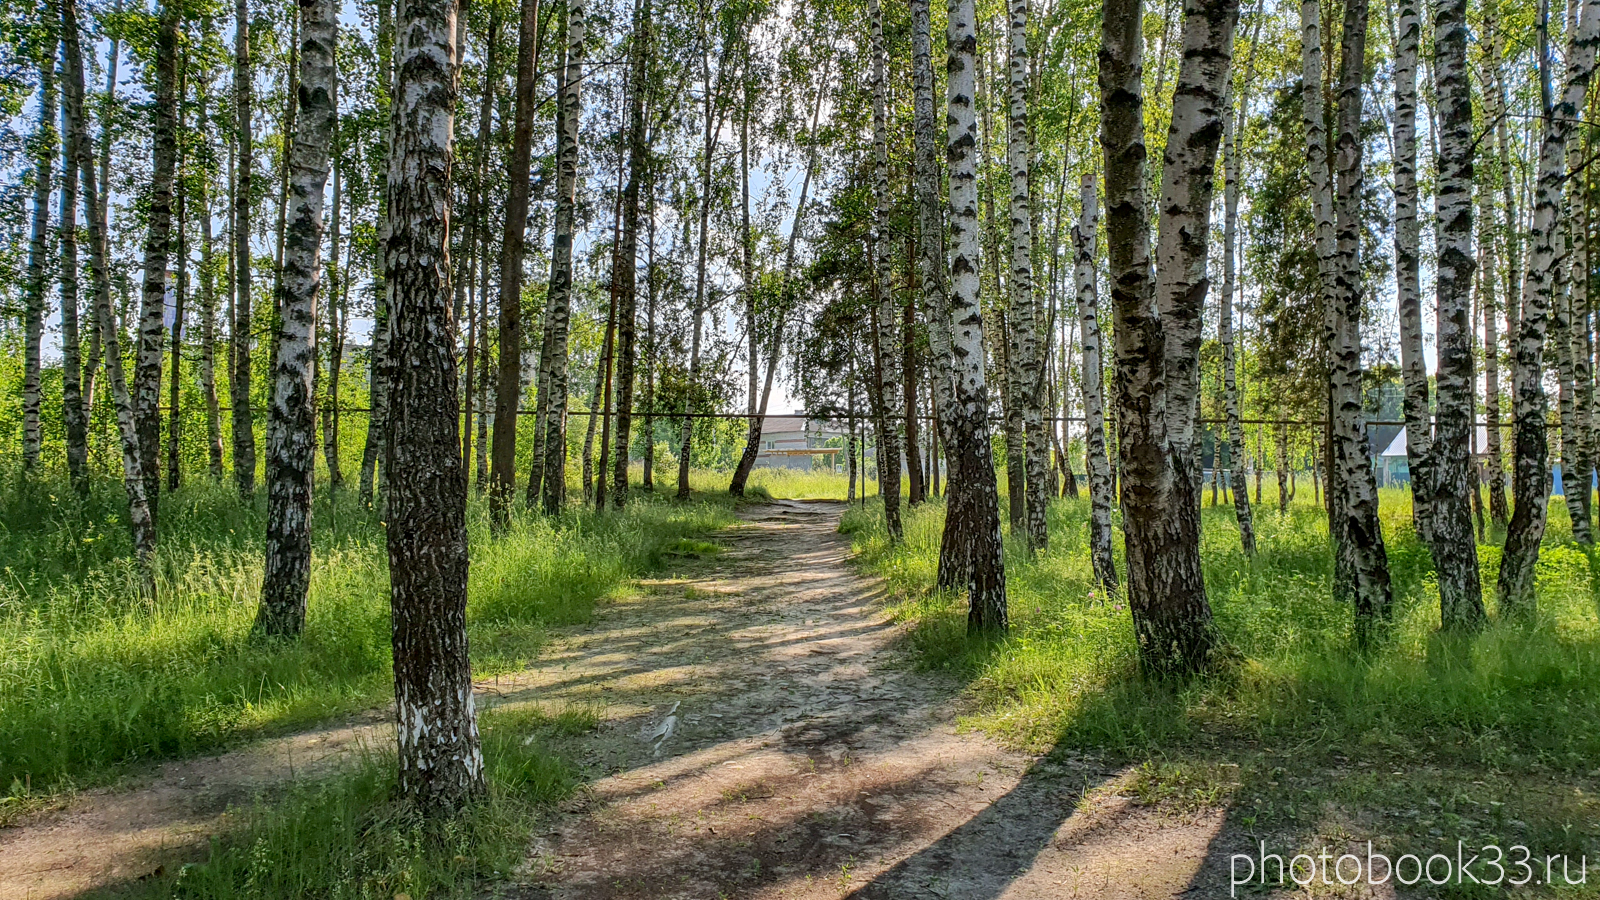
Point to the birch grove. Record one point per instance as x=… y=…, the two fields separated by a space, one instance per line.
x=736 y=242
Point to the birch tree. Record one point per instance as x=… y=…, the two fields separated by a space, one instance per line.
x=1408 y=278
x=953 y=566
x=1158 y=325
x=208 y=315
x=441 y=764
x=1531 y=481
x=1225 y=335
x=1095 y=457
x=1024 y=356
x=1455 y=550
x=1361 y=568
x=291 y=423
x=1577 y=386
x=1495 y=106
x=558 y=309
x=157 y=247
x=628 y=254
x=334 y=317
x=1490 y=303
x=74 y=410
x=244 y=436
x=887 y=332
x=508 y=385
x=140 y=522
x=44 y=148
x=973 y=524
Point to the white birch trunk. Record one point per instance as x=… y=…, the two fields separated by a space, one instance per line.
x=1531 y=485
x=441 y=765
x=139 y=519
x=1095 y=457
x=558 y=310
x=44 y=147
x=1455 y=550
x=157 y=247
x=1230 y=387
x=976 y=520
x=1408 y=278
x=1576 y=453
x=291 y=422
x=1024 y=355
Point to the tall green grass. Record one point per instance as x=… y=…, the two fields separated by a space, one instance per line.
x=803 y=484
x=93 y=677
x=1068 y=675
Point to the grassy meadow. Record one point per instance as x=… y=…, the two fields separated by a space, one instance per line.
x=1495 y=736
x=95 y=678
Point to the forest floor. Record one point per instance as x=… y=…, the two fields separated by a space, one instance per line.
x=761 y=734
x=765 y=736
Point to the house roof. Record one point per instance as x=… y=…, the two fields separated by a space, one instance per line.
x=1480 y=442
x=822 y=428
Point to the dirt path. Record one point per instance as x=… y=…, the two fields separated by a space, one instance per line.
x=765 y=739
x=760 y=737
x=163 y=816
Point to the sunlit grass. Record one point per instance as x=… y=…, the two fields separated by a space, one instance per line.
x=93 y=677
x=346 y=838
x=1068 y=674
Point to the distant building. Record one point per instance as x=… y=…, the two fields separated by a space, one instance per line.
x=1394 y=464
x=796 y=442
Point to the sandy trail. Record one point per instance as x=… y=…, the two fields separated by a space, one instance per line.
x=163 y=816
x=765 y=738
x=761 y=736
